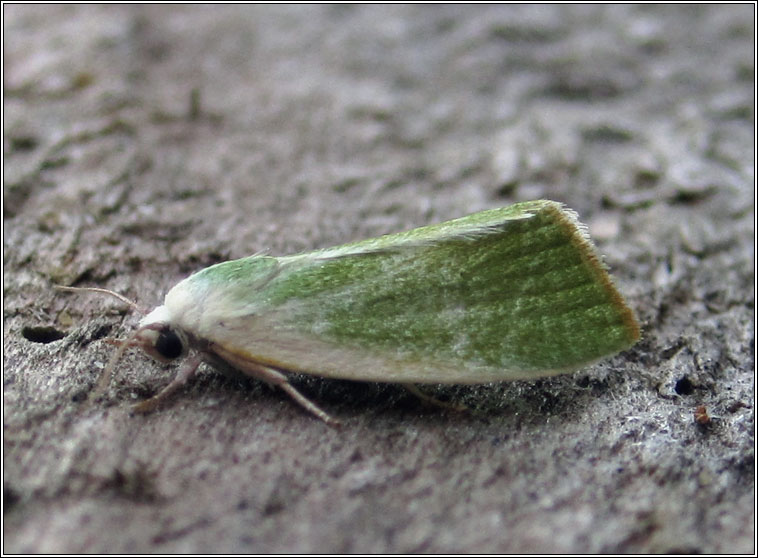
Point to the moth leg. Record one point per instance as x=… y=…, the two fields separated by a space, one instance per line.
x=309 y=405
x=184 y=374
x=274 y=378
x=413 y=388
x=114 y=342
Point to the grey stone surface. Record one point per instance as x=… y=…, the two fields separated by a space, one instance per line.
x=142 y=143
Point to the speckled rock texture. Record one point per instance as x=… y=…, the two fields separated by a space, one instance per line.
x=142 y=143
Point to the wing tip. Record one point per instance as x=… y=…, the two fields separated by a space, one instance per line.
x=578 y=233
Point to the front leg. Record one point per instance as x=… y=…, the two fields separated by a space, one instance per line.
x=181 y=378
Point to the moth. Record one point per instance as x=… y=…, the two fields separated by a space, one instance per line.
x=518 y=292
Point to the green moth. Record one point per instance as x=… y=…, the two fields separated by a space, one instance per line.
x=512 y=293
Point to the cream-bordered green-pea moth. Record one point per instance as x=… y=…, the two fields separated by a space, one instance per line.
x=512 y=293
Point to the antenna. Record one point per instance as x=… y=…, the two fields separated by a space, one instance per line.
x=121 y=297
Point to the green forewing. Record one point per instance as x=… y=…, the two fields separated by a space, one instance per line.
x=519 y=289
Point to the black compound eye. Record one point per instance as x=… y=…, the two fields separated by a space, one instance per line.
x=169 y=345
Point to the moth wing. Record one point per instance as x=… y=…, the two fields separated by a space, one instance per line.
x=504 y=294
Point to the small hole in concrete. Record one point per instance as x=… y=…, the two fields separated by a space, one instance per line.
x=42 y=334
x=684 y=386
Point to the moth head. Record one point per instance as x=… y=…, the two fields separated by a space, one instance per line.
x=156 y=335
x=160 y=339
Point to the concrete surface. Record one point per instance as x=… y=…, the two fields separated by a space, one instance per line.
x=142 y=143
